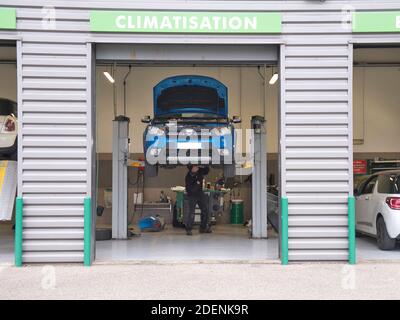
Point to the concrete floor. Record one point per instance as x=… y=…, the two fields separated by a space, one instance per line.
x=202 y=281
x=173 y=245
x=227 y=242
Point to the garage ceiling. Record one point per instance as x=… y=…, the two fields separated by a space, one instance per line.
x=377 y=55
x=177 y=53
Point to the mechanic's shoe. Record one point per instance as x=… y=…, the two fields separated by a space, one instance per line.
x=189 y=232
x=205 y=230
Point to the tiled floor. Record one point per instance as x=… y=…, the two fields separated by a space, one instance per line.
x=227 y=242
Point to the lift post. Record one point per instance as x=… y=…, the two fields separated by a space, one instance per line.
x=259 y=178
x=120 y=177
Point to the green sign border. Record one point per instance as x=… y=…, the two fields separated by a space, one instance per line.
x=8 y=18
x=220 y=22
x=375 y=21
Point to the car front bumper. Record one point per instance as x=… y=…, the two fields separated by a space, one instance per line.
x=168 y=157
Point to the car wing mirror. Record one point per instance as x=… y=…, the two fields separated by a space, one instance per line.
x=146 y=119
x=236 y=119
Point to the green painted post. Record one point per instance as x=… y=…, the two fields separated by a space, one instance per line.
x=18 y=231
x=284 y=231
x=87 y=232
x=352 y=230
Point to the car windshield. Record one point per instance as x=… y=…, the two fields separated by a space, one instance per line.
x=184 y=98
x=7 y=107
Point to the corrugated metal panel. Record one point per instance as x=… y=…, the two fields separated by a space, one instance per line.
x=47 y=256
x=325 y=254
x=318 y=244
x=54 y=245
x=52 y=233
x=317 y=118
x=55 y=117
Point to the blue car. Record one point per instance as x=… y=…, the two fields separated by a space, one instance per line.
x=190 y=125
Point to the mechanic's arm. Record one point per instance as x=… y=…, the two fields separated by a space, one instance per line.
x=205 y=170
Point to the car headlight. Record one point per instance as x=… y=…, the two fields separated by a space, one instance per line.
x=155 y=131
x=222 y=131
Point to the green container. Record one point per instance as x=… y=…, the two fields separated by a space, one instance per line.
x=237 y=216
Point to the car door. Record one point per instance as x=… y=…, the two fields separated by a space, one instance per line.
x=364 y=202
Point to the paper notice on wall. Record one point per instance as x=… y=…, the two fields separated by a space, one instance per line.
x=360 y=167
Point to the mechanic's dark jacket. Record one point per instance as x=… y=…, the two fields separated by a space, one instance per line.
x=194 y=182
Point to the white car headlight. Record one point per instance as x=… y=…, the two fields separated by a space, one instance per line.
x=155 y=131
x=222 y=131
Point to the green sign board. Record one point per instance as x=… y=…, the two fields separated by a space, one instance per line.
x=8 y=18
x=185 y=22
x=376 y=21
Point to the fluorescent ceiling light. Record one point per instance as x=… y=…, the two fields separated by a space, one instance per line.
x=109 y=77
x=274 y=78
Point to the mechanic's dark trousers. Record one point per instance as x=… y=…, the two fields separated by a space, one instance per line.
x=200 y=200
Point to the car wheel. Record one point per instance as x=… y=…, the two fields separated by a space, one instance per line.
x=229 y=170
x=150 y=170
x=385 y=242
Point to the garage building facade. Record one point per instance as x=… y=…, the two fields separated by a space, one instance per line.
x=55 y=58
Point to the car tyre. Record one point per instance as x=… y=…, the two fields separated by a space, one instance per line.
x=150 y=170
x=229 y=170
x=385 y=242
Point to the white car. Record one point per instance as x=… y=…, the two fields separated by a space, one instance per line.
x=378 y=208
x=8 y=130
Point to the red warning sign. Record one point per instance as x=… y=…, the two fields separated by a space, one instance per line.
x=360 y=167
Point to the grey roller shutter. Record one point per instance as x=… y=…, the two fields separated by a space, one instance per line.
x=316 y=136
x=55 y=136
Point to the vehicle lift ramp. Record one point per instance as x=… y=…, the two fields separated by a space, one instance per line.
x=265 y=204
x=120 y=179
x=259 y=178
x=8 y=188
x=120 y=157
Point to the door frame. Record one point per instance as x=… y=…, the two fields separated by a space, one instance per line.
x=212 y=40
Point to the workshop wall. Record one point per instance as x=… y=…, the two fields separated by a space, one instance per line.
x=245 y=98
x=376 y=103
x=164 y=181
x=245 y=90
x=8 y=81
x=375 y=97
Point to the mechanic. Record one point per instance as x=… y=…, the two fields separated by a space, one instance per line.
x=194 y=189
